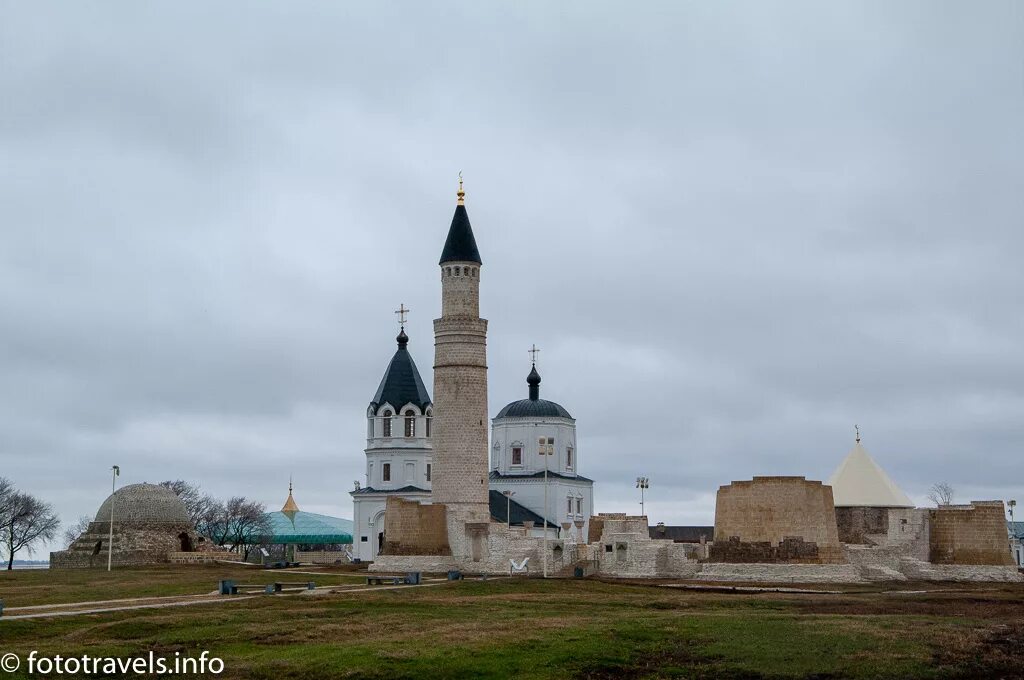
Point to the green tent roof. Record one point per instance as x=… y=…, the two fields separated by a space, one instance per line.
x=308 y=528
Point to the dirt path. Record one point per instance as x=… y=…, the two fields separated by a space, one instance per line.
x=78 y=608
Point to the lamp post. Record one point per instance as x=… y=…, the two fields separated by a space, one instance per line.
x=642 y=483
x=110 y=541
x=508 y=506
x=546 y=450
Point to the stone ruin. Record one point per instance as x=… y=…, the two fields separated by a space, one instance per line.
x=150 y=523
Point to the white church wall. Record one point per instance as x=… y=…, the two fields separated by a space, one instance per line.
x=529 y=493
x=508 y=433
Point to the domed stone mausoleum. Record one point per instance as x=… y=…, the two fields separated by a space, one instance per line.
x=150 y=521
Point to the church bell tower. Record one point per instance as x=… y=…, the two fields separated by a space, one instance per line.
x=460 y=478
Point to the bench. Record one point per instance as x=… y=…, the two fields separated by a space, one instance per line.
x=229 y=587
x=410 y=579
x=280 y=585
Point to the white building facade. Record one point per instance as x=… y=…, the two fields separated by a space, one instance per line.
x=529 y=436
x=398 y=450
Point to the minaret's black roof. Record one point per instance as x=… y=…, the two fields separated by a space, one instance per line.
x=401 y=383
x=460 y=245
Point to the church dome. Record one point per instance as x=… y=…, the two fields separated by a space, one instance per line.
x=401 y=383
x=534 y=407
x=144 y=503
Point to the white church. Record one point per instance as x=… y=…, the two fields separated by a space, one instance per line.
x=534 y=459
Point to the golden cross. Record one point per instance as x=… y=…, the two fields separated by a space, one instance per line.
x=533 y=353
x=401 y=312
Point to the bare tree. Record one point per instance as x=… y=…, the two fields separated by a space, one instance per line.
x=248 y=522
x=7 y=492
x=213 y=523
x=196 y=503
x=27 y=522
x=72 y=533
x=941 y=494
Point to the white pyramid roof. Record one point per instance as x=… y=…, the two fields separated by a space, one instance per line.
x=858 y=481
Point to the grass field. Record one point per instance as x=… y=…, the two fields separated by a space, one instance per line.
x=532 y=629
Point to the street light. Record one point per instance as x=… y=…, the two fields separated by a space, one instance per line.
x=110 y=541
x=508 y=506
x=546 y=449
x=642 y=483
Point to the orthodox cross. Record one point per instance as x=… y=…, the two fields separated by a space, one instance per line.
x=533 y=353
x=856 y=428
x=401 y=312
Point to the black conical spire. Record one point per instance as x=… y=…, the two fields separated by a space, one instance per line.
x=460 y=246
x=533 y=380
x=401 y=383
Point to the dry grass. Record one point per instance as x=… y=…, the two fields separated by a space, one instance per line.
x=575 y=629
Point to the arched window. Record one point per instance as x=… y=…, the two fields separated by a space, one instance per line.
x=430 y=416
x=410 y=423
x=387 y=423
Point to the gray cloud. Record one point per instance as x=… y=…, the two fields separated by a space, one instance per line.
x=733 y=230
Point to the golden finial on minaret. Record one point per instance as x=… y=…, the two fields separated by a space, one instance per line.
x=461 y=194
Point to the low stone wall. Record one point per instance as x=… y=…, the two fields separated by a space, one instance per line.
x=321 y=557
x=924 y=571
x=202 y=557
x=790 y=550
x=781 y=573
x=495 y=544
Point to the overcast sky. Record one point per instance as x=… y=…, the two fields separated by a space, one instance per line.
x=733 y=229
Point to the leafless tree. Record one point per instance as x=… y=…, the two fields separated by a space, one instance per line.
x=196 y=502
x=941 y=494
x=239 y=522
x=7 y=492
x=249 y=526
x=214 y=524
x=72 y=533
x=26 y=522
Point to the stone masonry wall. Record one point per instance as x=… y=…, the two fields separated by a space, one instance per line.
x=134 y=544
x=770 y=510
x=625 y=549
x=496 y=544
x=460 y=461
x=972 y=534
x=855 y=524
x=413 y=528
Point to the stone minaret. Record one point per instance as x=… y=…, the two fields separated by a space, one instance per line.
x=460 y=380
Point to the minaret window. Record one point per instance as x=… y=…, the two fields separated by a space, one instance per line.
x=387 y=423
x=517 y=455
x=410 y=423
x=385 y=472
